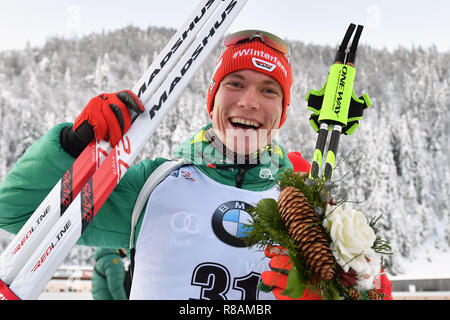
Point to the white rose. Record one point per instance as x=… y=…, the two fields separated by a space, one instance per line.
x=352 y=239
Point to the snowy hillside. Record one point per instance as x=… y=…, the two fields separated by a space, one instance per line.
x=397 y=162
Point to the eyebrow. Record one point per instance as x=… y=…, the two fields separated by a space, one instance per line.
x=241 y=77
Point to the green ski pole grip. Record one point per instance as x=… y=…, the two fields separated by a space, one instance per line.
x=338 y=93
x=318 y=152
x=315 y=165
x=330 y=163
x=330 y=160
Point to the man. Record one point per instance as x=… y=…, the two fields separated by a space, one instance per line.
x=108 y=278
x=189 y=237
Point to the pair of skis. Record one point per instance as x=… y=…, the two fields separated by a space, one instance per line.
x=335 y=106
x=33 y=256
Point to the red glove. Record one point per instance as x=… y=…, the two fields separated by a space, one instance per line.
x=107 y=117
x=281 y=263
x=299 y=163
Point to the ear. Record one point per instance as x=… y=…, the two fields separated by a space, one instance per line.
x=211 y=112
x=284 y=117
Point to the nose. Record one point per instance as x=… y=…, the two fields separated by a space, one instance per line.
x=249 y=98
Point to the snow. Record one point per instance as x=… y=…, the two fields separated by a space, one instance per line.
x=65 y=296
x=429 y=263
x=398 y=158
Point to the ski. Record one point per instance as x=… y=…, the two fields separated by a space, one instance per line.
x=67 y=229
x=63 y=193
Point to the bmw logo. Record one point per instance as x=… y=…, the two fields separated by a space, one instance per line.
x=230 y=221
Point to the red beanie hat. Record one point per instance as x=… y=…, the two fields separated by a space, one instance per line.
x=257 y=56
x=299 y=163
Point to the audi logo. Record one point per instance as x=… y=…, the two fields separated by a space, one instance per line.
x=183 y=221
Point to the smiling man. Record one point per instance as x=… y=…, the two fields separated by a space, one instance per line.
x=189 y=237
x=250 y=91
x=247 y=110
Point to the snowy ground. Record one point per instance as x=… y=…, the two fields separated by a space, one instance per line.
x=424 y=267
x=67 y=289
x=66 y=296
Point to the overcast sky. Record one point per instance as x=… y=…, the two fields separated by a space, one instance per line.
x=388 y=23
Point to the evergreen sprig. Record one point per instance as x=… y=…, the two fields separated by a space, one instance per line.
x=314 y=190
x=380 y=245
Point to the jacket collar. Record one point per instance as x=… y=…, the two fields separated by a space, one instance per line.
x=208 y=154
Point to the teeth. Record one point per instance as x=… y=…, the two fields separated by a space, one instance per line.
x=246 y=122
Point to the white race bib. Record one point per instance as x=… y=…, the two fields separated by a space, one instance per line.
x=190 y=243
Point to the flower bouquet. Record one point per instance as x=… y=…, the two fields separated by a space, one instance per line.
x=334 y=249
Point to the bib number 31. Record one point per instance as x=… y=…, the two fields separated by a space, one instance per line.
x=214 y=280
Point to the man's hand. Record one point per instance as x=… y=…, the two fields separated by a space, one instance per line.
x=277 y=278
x=107 y=117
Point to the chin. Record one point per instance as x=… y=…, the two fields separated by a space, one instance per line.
x=245 y=142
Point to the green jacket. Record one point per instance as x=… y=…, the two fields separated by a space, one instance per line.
x=44 y=163
x=109 y=276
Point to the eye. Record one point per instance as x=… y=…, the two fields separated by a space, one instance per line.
x=234 y=84
x=271 y=91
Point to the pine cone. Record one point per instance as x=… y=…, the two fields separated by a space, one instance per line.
x=303 y=227
x=353 y=294
x=375 y=295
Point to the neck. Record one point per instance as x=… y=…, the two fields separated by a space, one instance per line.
x=230 y=155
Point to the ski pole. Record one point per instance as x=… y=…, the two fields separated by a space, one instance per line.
x=58 y=242
x=331 y=105
x=316 y=163
x=67 y=188
x=349 y=60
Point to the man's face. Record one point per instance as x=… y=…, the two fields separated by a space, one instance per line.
x=247 y=110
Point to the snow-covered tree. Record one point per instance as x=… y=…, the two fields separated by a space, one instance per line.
x=397 y=160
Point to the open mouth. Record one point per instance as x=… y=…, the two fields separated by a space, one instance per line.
x=244 y=123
